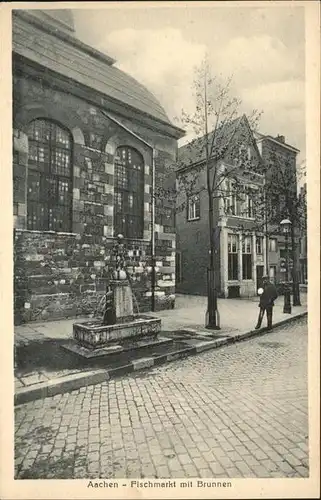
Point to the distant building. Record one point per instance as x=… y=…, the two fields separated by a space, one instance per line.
x=277 y=155
x=89 y=142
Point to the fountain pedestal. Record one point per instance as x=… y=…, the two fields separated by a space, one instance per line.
x=94 y=335
x=123 y=300
x=99 y=337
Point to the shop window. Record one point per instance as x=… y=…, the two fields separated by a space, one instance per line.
x=272 y=244
x=272 y=273
x=232 y=249
x=247 y=257
x=193 y=209
x=49 y=200
x=129 y=193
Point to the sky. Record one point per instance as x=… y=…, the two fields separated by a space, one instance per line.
x=263 y=48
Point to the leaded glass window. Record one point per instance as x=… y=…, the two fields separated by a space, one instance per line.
x=129 y=193
x=49 y=177
x=194 y=207
x=233 y=259
x=247 y=257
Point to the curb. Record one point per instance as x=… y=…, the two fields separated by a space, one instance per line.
x=76 y=381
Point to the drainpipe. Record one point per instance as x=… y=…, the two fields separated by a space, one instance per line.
x=152 y=240
x=153 y=277
x=266 y=230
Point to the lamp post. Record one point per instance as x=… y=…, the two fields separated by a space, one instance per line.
x=286 y=225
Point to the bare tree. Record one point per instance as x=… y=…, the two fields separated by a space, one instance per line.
x=216 y=151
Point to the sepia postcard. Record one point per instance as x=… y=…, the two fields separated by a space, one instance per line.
x=160 y=257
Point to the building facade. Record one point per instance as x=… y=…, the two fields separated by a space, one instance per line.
x=249 y=238
x=89 y=146
x=240 y=247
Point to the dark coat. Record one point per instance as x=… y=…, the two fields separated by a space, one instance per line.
x=268 y=296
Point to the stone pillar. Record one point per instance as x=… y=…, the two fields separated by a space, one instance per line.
x=109 y=191
x=147 y=202
x=20 y=179
x=254 y=261
x=224 y=258
x=123 y=300
x=240 y=258
x=265 y=243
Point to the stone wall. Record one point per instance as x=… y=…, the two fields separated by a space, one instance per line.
x=60 y=275
x=64 y=274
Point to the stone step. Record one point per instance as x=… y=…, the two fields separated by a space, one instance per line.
x=123 y=351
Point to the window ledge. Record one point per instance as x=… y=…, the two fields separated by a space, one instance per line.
x=194 y=218
x=240 y=217
x=94 y=150
x=144 y=240
x=37 y=231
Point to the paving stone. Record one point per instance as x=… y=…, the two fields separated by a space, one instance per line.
x=285 y=467
x=184 y=459
x=194 y=452
x=262 y=472
x=250 y=460
x=233 y=472
x=216 y=468
x=293 y=461
x=190 y=470
x=206 y=472
x=302 y=471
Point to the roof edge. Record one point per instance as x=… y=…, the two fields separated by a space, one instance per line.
x=72 y=40
x=273 y=139
x=99 y=99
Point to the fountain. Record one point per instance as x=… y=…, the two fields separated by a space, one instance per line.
x=101 y=337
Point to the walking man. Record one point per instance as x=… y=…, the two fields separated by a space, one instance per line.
x=267 y=299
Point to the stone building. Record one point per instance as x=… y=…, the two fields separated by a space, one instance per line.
x=280 y=169
x=89 y=145
x=240 y=253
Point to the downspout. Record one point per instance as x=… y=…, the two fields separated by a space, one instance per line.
x=152 y=240
x=266 y=230
x=153 y=277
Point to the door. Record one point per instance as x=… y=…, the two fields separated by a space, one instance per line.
x=259 y=276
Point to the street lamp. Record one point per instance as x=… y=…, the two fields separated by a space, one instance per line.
x=286 y=225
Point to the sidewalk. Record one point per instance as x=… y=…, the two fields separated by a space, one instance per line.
x=41 y=361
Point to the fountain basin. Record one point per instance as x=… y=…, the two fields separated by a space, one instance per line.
x=93 y=335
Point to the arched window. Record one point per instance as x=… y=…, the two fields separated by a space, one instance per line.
x=49 y=203
x=129 y=193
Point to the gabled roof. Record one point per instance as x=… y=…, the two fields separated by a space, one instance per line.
x=64 y=54
x=194 y=152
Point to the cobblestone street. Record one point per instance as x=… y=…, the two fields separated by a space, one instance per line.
x=239 y=411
